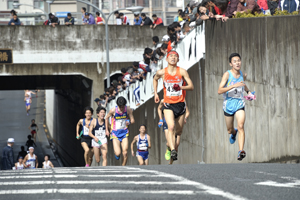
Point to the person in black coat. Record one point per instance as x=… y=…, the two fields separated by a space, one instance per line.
x=8 y=155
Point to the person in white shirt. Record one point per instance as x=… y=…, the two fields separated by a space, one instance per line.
x=47 y=164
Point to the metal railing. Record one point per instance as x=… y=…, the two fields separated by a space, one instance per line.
x=191 y=49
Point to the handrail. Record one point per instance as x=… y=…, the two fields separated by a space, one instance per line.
x=191 y=49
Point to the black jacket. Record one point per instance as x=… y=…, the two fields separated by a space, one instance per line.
x=148 y=21
x=7 y=158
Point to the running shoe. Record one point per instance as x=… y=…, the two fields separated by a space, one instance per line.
x=27 y=114
x=233 y=137
x=86 y=165
x=168 y=154
x=241 y=155
x=117 y=157
x=174 y=154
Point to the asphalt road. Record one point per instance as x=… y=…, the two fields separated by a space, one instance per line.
x=14 y=123
x=203 y=181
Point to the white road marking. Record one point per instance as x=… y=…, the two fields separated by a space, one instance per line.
x=89 y=191
x=285 y=185
x=23 y=172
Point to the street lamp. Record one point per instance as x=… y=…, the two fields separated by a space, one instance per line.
x=16 y=5
x=49 y=2
x=132 y=9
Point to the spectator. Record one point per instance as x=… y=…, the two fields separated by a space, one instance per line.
x=53 y=21
x=8 y=155
x=69 y=20
x=156 y=21
x=103 y=101
x=204 y=12
x=124 y=18
x=165 y=39
x=156 y=43
x=83 y=11
x=186 y=29
x=289 y=5
x=147 y=57
x=22 y=153
x=263 y=4
x=246 y=5
x=106 y=91
x=164 y=48
x=14 y=21
x=137 y=19
x=99 y=20
x=12 y=13
x=179 y=17
x=118 y=19
x=232 y=6
x=97 y=101
x=89 y=19
x=126 y=76
x=30 y=142
x=272 y=5
x=146 y=20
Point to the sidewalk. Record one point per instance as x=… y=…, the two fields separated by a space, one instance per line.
x=14 y=123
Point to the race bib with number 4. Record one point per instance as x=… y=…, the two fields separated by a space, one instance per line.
x=170 y=90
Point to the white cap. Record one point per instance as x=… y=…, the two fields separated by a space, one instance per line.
x=11 y=140
x=31 y=148
x=165 y=38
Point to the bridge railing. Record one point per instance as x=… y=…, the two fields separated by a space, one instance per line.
x=191 y=49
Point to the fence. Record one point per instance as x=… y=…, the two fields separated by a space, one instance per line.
x=191 y=49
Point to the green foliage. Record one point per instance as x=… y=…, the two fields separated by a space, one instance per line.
x=278 y=12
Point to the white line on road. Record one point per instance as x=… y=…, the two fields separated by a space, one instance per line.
x=293 y=184
x=89 y=191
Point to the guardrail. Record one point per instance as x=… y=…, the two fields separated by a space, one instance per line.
x=191 y=49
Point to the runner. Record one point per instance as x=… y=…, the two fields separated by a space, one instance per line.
x=19 y=164
x=47 y=164
x=120 y=123
x=31 y=161
x=28 y=93
x=33 y=129
x=143 y=143
x=174 y=96
x=161 y=122
x=97 y=132
x=232 y=87
x=27 y=100
x=30 y=142
x=86 y=140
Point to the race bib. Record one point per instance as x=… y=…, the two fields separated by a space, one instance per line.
x=170 y=91
x=121 y=124
x=143 y=146
x=100 y=133
x=236 y=92
x=85 y=130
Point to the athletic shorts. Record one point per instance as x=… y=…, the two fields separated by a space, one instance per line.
x=143 y=154
x=119 y=134
x=33 y=132
x=231 y=115
x=96 y=144
x=177 y=108
x=165 y=125
x=27 y=104
x=88 y=141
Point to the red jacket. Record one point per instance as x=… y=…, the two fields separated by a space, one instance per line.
x=263 y=4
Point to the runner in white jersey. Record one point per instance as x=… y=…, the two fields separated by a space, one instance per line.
x=31 y=161
x=232 y=87
x=28 y=93
x=97 y=132
x=86 y=140
x=27 y=104
x=47 y=164
x=19 y=164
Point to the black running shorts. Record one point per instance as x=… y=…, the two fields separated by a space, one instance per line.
x=88 y=141
x=177 y=108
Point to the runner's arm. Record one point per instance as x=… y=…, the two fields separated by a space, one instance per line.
x=132 y=143
x=42 y=164
x=109 y=114
x=77 y=127
x=91 y=129
x=187 y=112
x=25 y=160
x=224 y=80
x=149 y=142
x=16 y=165
x=157 y=76
x=32 y=92
x=246 y=88
x=36 y=162
x=130 y=116
x=30 y=127
x=185 y=75
x=51 y=164
x=159 y=111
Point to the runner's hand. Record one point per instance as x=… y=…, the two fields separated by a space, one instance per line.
x=239 y=84
x=160 y=124
x=77 y=137
x=127 y=123
x=156 y=98
x=184 y=120
x=96 y=140
x=132 y=152
x=107 y=133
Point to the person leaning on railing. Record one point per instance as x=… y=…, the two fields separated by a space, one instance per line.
x=69 y=20
x=14 y=21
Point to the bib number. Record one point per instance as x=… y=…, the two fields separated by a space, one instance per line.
x=171 y=91
x=121 y=124
x=100 y=133
x=235 y=92
x=143 y=147
x=85 y=130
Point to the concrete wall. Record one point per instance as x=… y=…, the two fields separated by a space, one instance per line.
x=270 y=56
x=77 y=44
x=50 y=110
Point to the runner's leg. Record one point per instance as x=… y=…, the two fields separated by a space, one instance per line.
x=229 y=124
x=169 y=116
x=140 y=160
x=90 y=156
x=124 y=145
x=116 y=145
x=97 y=154
x=86 y=151
x=240 y=117
x=104 y=154
x=147 y=162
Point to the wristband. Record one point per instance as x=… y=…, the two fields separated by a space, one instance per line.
x=159 y=125
x=128 y=121
x=77 y=137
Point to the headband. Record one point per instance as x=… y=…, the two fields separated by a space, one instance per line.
x=172 y=52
